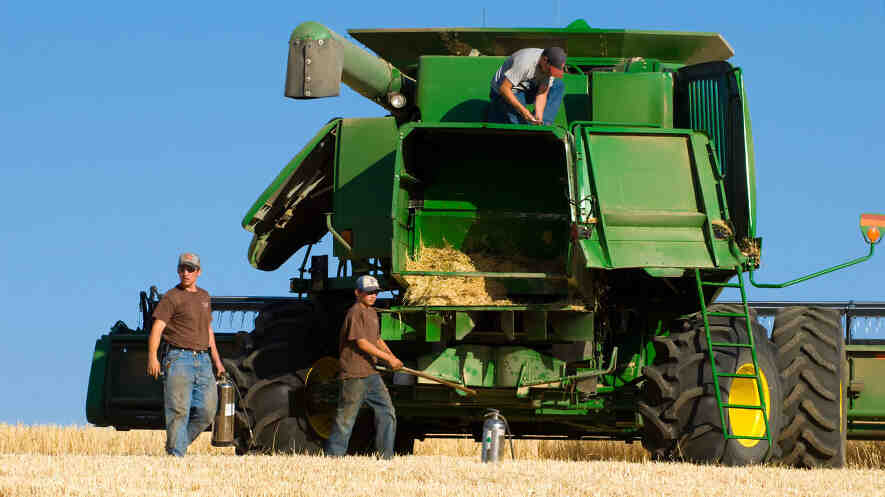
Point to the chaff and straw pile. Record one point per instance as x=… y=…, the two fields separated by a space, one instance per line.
x=466 y=290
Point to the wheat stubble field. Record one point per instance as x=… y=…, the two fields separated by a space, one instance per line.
x=83 y=461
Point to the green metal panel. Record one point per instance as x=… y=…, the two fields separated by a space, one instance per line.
x=456 y=89
x=641 y=98
x=573 y=326
x=463 y=325
x=369 y=76
x=480 y=202
x=95 y=395
x=445 y=365
x=575 y=99
x=397 y=327
x=749 y=153
x=477 y=366
x=657 y=195
x=364 y=185
x=259 y=208
x=711 y=98
x=433 y=327
x=867 y=367
x=518 y=365
x=473 y=365
x=402 y=47
x=289 y=214
x=391 y=327
x=644 y=176
x=484 y=366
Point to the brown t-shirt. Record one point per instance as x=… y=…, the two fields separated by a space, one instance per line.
x=187 y=316
x=360 y=322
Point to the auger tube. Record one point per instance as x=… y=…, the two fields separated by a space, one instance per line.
x=320 y=59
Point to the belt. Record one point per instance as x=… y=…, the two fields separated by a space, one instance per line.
x=173 y=347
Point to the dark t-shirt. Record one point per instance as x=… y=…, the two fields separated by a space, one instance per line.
x=360 y=322
x=187 y=316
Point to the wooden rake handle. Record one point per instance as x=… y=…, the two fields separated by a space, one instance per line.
x=426 y=376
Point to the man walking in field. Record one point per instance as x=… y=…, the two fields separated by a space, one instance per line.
x=183 y=318
x=360 y=348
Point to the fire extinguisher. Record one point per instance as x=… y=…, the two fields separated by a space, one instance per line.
x=493 y=434
x=223 y=428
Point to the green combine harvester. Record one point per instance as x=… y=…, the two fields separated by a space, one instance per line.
x=601 y=243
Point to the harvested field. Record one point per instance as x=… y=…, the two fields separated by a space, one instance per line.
x=47 y=461
x=455 y=290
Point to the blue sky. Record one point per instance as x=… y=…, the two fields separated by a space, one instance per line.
x=130 y=132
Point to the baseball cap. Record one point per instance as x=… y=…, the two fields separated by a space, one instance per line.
x=367 y=284
x=189 y=259
x=556 y=58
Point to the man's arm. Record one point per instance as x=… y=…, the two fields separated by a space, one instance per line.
x=541 y=103
x=506 y=91
x=216 y=359
x=385 y=355
x=153 y=365
x=384 y=346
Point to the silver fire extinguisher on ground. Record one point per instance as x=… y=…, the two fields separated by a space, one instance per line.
x=494 y=430
x=223 y=428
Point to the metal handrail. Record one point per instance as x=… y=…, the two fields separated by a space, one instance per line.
x=814 y=275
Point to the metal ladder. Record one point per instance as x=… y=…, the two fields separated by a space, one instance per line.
x=748 y=345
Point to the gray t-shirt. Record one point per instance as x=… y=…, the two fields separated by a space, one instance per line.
x=521 y=69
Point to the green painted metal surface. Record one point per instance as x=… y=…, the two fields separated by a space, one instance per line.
x=403 y=46
x=573 y=326
x=452 y=204
x=364 y=185
x=259 y=209
x=396 y=327
x=464 y=324
x=95 y=394
x=433 y=322
x=749 y=154
x=456 y=89
x=748 y=344
x=712 y=98
x=640 y=98
x=867 y=367
x=487 y=366
x=521 y=365
x=657 y=197
x=366 y=74
x=289 y=214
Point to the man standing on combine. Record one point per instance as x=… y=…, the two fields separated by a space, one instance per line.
x=530 y=75
x=183 y=319
x=360 y=347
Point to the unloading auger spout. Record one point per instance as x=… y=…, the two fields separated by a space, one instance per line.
x=320 y=59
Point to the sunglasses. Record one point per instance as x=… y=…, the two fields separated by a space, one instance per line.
x=187 y=269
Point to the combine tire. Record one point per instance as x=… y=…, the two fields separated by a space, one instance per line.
x=278 y=424
x=679 y=410
x=811 y=358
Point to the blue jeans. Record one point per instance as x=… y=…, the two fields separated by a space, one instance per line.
x=354 y=392
x=502 y=112
x=190 y=396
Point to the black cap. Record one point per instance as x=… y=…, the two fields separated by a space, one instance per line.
x=555 y=56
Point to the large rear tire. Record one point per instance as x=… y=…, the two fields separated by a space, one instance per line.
x=811 y=358
x=679 y=409
x=277 y=421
